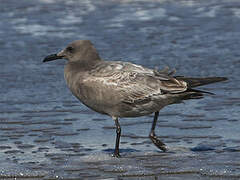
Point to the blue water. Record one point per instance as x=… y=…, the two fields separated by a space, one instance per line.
x=45 y=133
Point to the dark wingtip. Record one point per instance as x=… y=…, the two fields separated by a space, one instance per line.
x=200 y=91
x=217 y=79
x=194 y=82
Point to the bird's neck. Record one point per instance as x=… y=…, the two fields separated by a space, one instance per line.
x=83 y=65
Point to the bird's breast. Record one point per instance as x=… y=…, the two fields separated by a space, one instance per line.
x=73 y=80
x=87 y=93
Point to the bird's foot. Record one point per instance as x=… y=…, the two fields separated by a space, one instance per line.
x=157 y=142
x=116 y=154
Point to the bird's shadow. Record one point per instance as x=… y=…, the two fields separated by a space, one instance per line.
x=127 y=150
x=131 y=150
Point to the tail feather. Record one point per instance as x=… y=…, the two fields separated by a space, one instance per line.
x=194 y=82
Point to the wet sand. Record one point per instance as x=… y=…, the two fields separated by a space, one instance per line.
x=48 y=134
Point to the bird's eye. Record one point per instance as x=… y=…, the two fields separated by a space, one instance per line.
x=70 y=49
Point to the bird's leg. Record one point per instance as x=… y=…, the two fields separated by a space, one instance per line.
x=153 y=137
x=118 y=132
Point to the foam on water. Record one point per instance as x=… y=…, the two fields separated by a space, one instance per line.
x=13 y=170
x=70 y=19
x=48 y=1
x=140 y=14
x=34 y=29
x=236 y=12
x=208 y=12
x=95 y=157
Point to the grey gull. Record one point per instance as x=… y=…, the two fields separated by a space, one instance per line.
x=123 y=89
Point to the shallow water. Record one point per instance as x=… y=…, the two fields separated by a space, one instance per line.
x=45 y=133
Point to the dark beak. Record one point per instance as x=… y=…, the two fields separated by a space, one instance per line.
x=52 y=57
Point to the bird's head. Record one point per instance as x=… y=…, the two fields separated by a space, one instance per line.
x=77 y=51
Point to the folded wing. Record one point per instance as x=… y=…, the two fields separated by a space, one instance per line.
x=133 y=83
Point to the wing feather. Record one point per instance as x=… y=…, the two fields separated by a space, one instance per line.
x=134 y=83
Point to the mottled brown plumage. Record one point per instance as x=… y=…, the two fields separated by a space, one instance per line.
x=123 y=89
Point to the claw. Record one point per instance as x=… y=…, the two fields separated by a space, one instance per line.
x=157 y=142
x=116 y=154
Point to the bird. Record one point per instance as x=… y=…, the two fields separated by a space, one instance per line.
x=122 y=89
